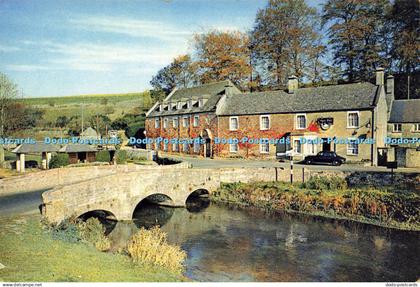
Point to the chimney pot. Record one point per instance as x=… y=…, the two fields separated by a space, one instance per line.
x=292 y=84
x=379 y=76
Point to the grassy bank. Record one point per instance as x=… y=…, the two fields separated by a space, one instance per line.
x=328 y=198
x=29 y=253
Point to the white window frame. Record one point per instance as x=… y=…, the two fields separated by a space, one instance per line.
x=233 y=150
x=185 y=147
x=416 y=128
x=297 y=122
x=265 y=144
x=175 y=120
x=165 y=146
x=348 y=120
x=175 y=147
x=230 y=123
x=196 y=147
x=165 y=123
x=296 y=143
x=185 y=122
x=157 y=123
x=350 y=149
x=200 y=103
x=261 y=122
x=394 y=130
x=196 y=124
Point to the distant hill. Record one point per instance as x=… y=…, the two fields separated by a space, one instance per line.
x=90 y=99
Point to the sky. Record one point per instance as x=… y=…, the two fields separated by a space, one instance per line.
x=57 y=47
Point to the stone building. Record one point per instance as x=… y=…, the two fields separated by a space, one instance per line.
x=234 y=124
x=404 y=133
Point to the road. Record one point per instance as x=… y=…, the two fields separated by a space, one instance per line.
x=20 y=203
x=218 y=163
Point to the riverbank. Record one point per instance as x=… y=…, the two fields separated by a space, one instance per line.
x=331 y=198
x=29 y=253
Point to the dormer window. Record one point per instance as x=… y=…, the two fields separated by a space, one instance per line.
x=189 y=104
x=170 y=107
x=179 y=105
x=160 y=107
x=200 y=103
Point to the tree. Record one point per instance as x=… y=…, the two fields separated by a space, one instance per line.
x=405 y=24
x=357 y=32
x=62 y=121
x=180 y=73
x=19 y=117
x=285 y=40
x=222 y=56
x=101 y=122
x=8 y=92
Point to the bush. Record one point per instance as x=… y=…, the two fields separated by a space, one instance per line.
x=93 y=232
x=121 y=156
x=151 y=246
x=325 y=183
x=65 y=231
x=103 y=156
x=59 y=160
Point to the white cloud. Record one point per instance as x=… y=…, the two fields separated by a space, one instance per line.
x=6 y=49
x=27 y=68
x=131 y=27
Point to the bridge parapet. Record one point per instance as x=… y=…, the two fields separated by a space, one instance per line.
x=120 y=193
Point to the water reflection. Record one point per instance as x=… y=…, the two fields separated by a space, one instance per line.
x=226 y=243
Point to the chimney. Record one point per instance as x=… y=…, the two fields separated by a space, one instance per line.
x=379 y=76
x=292 y=84
x=229 y=89
x=389 y=89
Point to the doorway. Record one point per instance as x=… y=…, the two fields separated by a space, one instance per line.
x=326 y=145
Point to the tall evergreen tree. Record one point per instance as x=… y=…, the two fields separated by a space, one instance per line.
x=357 y=32
x=405 y=24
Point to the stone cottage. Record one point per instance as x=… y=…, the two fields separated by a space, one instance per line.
x=349 y=119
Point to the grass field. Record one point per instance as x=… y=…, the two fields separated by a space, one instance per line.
x=89 y=99
x=29 y=253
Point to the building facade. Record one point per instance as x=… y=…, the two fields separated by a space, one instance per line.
x=404 y=133
x=349 y=119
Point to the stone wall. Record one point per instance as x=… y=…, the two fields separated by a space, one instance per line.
x=64 y=176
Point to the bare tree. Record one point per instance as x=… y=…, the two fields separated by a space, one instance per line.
x=8 y=92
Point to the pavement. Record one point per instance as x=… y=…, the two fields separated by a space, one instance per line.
x=221 y=163
x=21 y=203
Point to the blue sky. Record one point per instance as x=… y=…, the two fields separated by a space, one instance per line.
x=55 y=48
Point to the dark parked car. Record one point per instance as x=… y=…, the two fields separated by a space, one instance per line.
x=325 y=157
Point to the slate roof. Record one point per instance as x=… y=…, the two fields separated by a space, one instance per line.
x=38 y=147
x=70 y=148
x=328 y=98
x=405 y=111
x=89 y=133
x=212 y=92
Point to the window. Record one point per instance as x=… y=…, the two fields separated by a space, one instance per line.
x=196 y=147
x=175 y=122
x=264 y=146
x=297 y=146
x=200 y=102
x=185 y=147
x=416 y=127
x=188 y=104
x=233 y=147
x=264 y=122
x=165 y=123
x=174 y=147
x=165 y=146
x=301 y=121
x=233 y=123
x=397 y=128
x=185 y=122
x=353 y=147
x=352 y=119
x=156 y=123
x=196 y=121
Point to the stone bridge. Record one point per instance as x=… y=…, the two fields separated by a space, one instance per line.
x=120 y=193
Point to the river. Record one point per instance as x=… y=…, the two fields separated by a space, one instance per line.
x=226 y=243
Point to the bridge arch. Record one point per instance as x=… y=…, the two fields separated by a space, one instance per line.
x=153 y=209
x=197 y=200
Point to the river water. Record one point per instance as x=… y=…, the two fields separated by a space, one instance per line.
x=226 y=243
